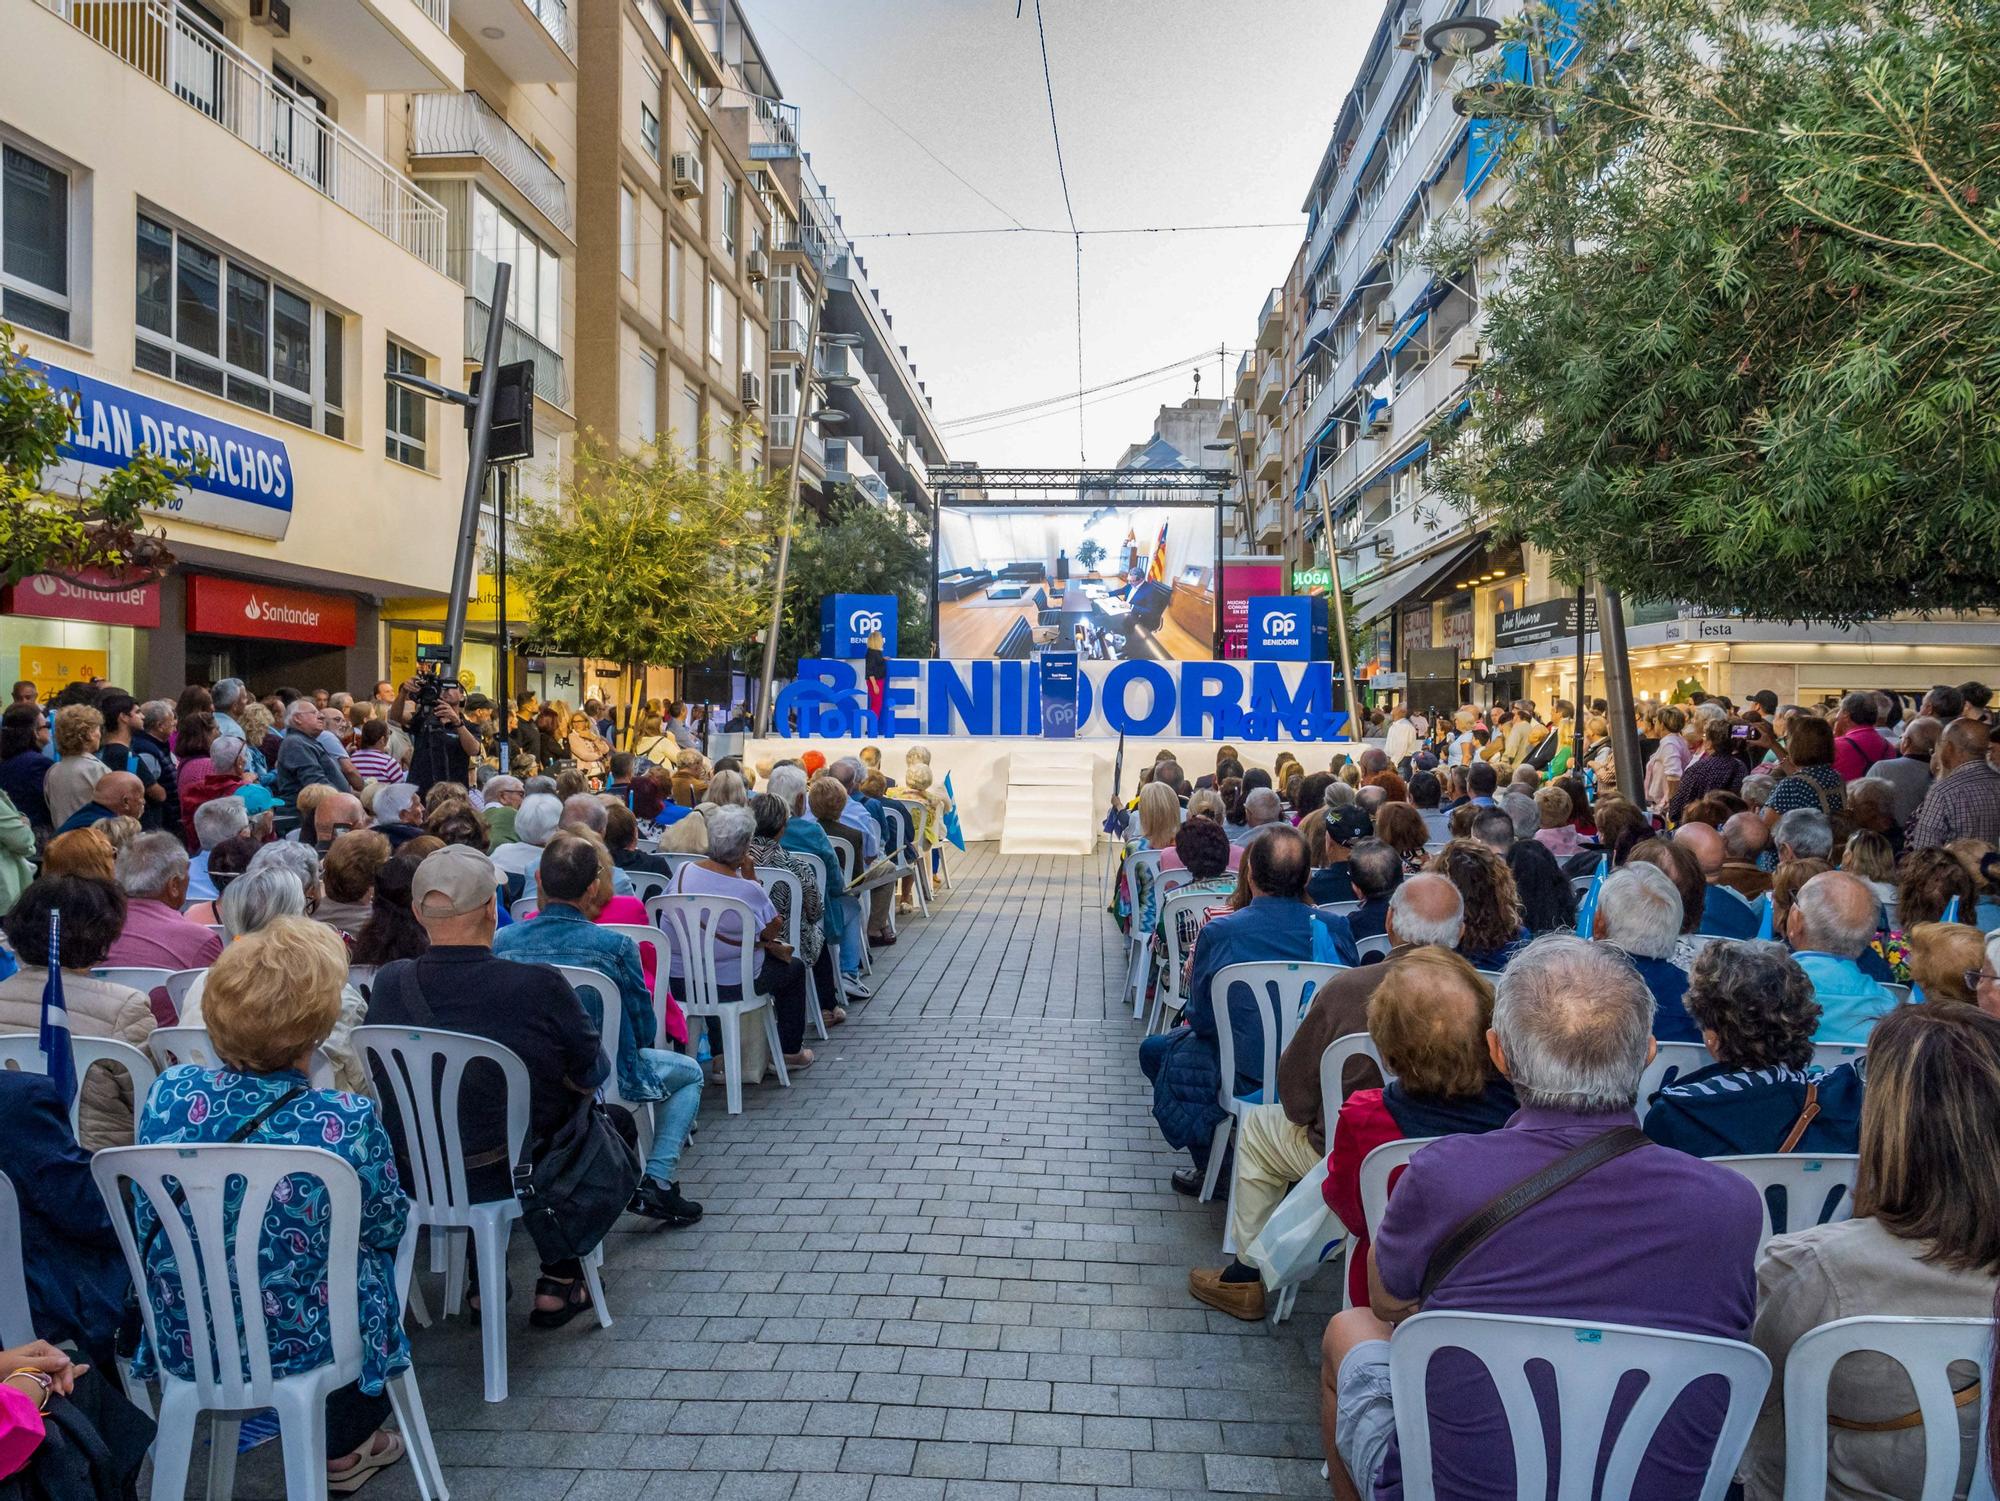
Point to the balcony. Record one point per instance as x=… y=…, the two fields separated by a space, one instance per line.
x=1271 y=388
x=774 y=129
x=532 y=41
x=464 y=125
x=219 y=80
x=1271 y=322
x=1270 y=456
x=1270 y=522
x=1246 y=377
x=516 y=343
x=788 y=337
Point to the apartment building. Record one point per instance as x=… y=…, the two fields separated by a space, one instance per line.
x=211 y=238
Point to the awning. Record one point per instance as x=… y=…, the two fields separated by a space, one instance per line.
x=1408 y=334
x=1410 y=458
x=1380 y=596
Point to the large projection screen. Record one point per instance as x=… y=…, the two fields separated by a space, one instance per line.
x=1011 y=580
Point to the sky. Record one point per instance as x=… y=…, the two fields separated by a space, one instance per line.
x=1171 y=112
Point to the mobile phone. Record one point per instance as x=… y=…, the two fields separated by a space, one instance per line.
x=1739 y=732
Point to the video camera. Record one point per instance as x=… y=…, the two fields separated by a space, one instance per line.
x=430 y=680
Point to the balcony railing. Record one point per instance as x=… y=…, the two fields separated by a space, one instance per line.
x=1271 y=321
x=439 y=11
x=466 y=125
x=555 y=19
x=516 y=343
x=774 y=128
x=788 y=336
x=219 y=80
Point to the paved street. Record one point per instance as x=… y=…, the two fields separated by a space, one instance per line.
x=945 y=1267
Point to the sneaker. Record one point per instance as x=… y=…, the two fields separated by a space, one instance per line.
x=855 y=990
x=657 y=1202
x=1240 y=1300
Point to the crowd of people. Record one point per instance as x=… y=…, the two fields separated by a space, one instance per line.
x=303 y=865
x=1784 y=879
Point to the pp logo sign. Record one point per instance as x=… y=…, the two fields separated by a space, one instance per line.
x=1282 y=626
x=865 y=622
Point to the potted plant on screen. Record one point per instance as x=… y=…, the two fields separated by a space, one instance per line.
x=1089 y=553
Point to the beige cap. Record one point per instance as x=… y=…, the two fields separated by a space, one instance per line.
x=451 y=881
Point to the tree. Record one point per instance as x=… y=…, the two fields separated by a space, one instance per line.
x=861 y=548
x=1745 y=351
x=99 y=527
x=1089 y=553
x=649 y=558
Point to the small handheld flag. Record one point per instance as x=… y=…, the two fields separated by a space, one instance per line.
x=55 y=1019
x=1764 y=922
x=1586 y=911
x=1950 y=911
x=951 y=828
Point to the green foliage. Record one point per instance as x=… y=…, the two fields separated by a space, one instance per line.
x=649 y=558
x=860 y=548
x=101 y=526
x=1766 y=374
x=1089 y=553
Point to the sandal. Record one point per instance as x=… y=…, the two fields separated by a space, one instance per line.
x=800 y=1061
x=833 y=1016
x=347 y=1482
x=575 y=1296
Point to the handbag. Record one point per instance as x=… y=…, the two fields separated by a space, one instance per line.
x=1300 y=1234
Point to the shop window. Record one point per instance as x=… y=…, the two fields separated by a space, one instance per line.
x=407 y=429
x=34 y=244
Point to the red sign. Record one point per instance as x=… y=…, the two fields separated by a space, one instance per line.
x=230 y=607
x=47 y=597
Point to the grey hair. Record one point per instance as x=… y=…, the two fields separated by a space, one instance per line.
x=1338 y=795
x=1373 y=867
x=155 y=712
x=1201 y=800
x=219 y=818
x=300 y=858
x=393 y=801
x=227 y=694
x=1829 y=928
x=1706 y=711
x=297 y=709
x=730 y=830
x=1757 y=789
x=499 y=786
x=1574 y=1019
x=1734 y=845
x=255 y=897
x=1262 y=806
x=1807 y=831
x=539 y=816
x=148 y=864
x=1413 y=927
x=1870 y=790
x=1521 y=808
x=539 y=785
x=787 y=784
x=726 y=787
x=1642 y=910
x=848 y=771
x=583 y=808
x=226 y=753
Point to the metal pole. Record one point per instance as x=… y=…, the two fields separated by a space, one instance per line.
x=1581 y=701
x=1339 y=616
x=764 y=704
x=505 y=675
x=475 y=471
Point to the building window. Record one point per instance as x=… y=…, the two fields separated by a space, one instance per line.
x=732 y=208
x=715 y=320
x=746 y=344
x=223 y=326
x=34 y=244
x=534 y=295
x=640 y=398
x=649 y=131
x=691 y=406
x=674 y=280
x=628 y=233
x=409 y=412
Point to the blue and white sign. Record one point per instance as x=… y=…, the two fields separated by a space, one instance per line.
x=845 y=621
x=1288 y=627
x=248 y=486
x=1059 y=679
x=1182 y=700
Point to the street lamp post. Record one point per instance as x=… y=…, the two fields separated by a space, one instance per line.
x=791 y=518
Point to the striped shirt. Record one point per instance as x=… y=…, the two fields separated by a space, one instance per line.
x=378 y=766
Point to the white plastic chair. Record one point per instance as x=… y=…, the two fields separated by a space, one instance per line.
x=1167 y=997
x=1377 y=1168
x=647 y=884
x=1671 y=1062
x=143 y=978
x=1164 y=884
x=233 y=1369
x=421 y=1069
x=17 y=1322
x=1828 y=1055
x=843 y=854
x=816 y=873
x=1281 y=990
x=1333 y=1068
x=599 y=992
x=362 y=978
x=774 y=878
x=1377 y=944
x=179 y=984
x=643 y=935
x=524 y=907
x=693 y=925
x=1340 y=909
x=173 y=1046
x=1926 y=1349
x=1581 y=885
x=1900 y=992
x=1142 y=871
x=1818 y=1190
x=1588 y=1362
x=23 y=1050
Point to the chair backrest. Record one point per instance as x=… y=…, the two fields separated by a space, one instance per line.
x=603 y=1004
x=1581 y=884
x=1900 y=992
x=844 y=853
x=1340 y=909
x=17 y=1321
x=645 y=935
x=1813 y=1190
x=187 y=1187
x=362 y=978
x=524 y=907
x=1926 y=1349
x=143 y=978
x=899 y=833
x=179 y=983
x=421 y=1069
x=173 y=1046
x=1333 y=1067
x=23 y=1050
x=1832 y=1054
x=1141 y=868
x=1378 y=945
x=1167 y=882
x=693 y=925
x=1588 y=1363
x=815 y=873
x=1378 y=1170
x=775 y=878
x=1281 y=991
x=1673 y=1060
x=647 y=884
x=1171 y=909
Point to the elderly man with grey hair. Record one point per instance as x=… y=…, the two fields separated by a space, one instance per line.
x=228 y=695
x=1831 y=922
x=1520 y=807
x=1803 y=834
x=399 y=813
x=153 y=874
x=1632 y=1233
x=1639 y=911
x=1757 y=789
x=803 y=836
x=503 y=796
x=217 y=819
x=1909 y=770
x=585 y=812
x=1261 y=809
x=864 y=816
x=1746 y=839
x=302 y=760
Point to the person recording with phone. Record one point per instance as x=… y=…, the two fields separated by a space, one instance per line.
x=1718 y=768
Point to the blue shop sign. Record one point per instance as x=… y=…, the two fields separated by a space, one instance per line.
x=1288 y=627
x=248 y=485
x=846 y=621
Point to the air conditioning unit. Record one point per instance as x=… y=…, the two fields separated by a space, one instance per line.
x=1409 y=31
x=757 y=266
x=1385 y=317
x=687 y=175
x=1385 y=547
x=752 y=390
x=275 y=16
x=1471 y=359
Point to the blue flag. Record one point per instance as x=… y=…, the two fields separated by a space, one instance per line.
x=55 y=1019
x=1764 y=922
x=1950 y=911
x=1586 y=911
x=951 y=829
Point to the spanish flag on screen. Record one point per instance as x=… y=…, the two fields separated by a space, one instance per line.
x=1156 y=571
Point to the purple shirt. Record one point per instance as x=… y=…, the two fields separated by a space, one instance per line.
x=155 y=935
x=695 y=881
x=1654 y=1238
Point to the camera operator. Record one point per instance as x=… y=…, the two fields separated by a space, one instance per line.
x=445 y=745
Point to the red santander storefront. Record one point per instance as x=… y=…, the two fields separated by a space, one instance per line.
x=277 y=635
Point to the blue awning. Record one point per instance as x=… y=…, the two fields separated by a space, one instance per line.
x=1373 y=407
x=1409 y=333
x=1410 y=458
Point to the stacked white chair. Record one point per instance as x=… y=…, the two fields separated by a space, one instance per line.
x=424 y=1068
x=774 y=878
x=693 y=926
x=1165 y=884
x=226 y=1331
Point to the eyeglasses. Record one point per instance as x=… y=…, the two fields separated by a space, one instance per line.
x=1974 y=978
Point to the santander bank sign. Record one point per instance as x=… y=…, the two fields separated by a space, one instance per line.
x=230 y=607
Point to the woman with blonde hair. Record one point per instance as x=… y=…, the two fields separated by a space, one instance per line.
x=1942 y=954
x=1159 y=821
x=690 y=779
x=586 y=747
